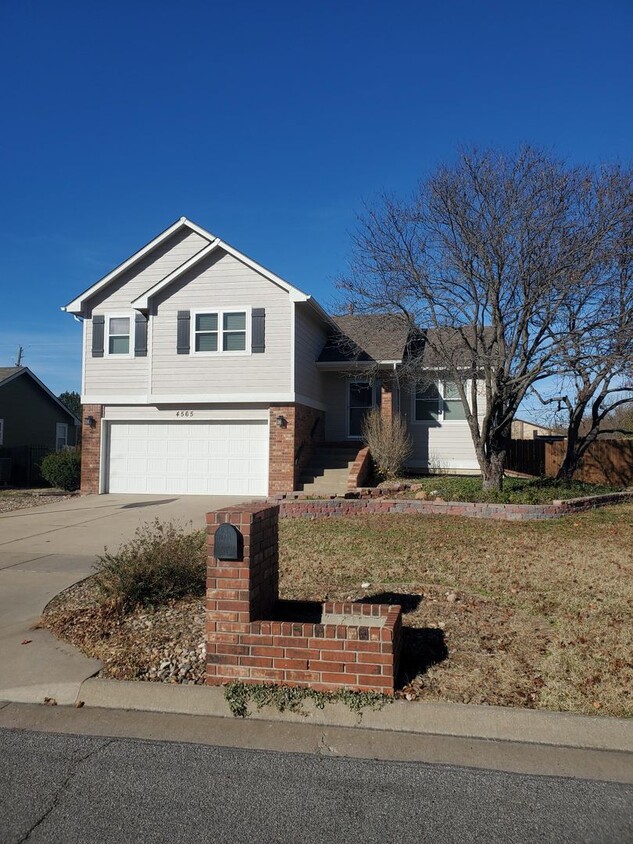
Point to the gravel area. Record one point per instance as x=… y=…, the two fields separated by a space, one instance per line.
x=21 y=499
x=163 y=644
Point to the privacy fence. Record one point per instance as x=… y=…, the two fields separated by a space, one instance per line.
x=605 y=461
x=20 y=465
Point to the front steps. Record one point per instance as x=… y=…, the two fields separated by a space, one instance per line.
x=328 y=471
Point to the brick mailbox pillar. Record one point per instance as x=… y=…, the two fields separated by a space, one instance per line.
x=354 y=646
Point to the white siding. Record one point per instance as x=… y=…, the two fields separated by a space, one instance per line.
x=110 y=377
x=310 y=337
x=221 y=281
x=444 y=446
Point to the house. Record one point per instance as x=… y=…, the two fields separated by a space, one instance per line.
x=206 y=373
x=32 y=421
x=524 y=430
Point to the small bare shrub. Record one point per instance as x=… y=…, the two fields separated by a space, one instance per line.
x=389 y=443
x=161 y=563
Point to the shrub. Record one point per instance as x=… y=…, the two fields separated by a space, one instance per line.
x=62 y=469
x=389 y=443
x=161 y=563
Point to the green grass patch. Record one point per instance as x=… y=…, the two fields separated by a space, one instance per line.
x=515 y=490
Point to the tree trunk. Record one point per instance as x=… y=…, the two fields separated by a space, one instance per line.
x=492 y=471
x=570 y=461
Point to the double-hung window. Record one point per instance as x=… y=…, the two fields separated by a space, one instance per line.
x=215 y=332
x=438 y=401
x=119 y=335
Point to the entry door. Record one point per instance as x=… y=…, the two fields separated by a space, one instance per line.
x=362 y=395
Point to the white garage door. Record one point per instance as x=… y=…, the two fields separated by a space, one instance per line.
x=188 y=458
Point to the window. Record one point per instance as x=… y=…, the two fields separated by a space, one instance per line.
x=428 y=407
x=453 y=406
x=1 y=431
x=438 y=401
x=119 y=335
x=61 y=436
x=220 y=331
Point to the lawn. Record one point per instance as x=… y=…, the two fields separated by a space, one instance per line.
x=515 y=490
x=536 y=614
x=530 y=614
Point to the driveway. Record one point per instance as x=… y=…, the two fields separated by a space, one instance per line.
x=43 y=550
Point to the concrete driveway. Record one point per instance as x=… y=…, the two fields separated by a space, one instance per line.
x=43 y=550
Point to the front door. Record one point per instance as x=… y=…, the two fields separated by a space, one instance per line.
x=363 y=394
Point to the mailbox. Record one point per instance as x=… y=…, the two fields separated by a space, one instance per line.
x=228 y=543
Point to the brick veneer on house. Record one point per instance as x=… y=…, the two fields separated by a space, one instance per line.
x=291 y=445
x=354 y=646
x=90 y=449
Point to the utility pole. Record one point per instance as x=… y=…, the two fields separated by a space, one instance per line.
x=20 y=354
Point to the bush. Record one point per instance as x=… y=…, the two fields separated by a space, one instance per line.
x=161 y=563
x=389 y=443
x=62 y=469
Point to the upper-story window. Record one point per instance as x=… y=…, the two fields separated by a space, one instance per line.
x=220 y=331
x=119 y=335
x=438 y=401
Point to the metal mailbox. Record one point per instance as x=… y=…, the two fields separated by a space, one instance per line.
x=228 y=543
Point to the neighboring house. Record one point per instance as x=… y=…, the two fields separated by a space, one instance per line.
x=31 y=418
x=524 y=430
x=204 y=372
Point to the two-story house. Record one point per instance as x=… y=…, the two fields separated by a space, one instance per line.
x=205 y=373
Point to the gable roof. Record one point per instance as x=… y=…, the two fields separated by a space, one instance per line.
x=367 y=338
x=141 y=302
x=10 y=373
x=392 y=339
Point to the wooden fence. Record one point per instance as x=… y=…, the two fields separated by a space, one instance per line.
x=604 y=462
x=526 y=456
x=25 y=464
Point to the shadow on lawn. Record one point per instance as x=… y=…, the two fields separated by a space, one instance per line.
x=422 y=647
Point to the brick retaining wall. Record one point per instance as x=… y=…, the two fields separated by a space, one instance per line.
x=295 y=508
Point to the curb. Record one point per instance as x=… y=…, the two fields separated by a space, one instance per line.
x=494 y=723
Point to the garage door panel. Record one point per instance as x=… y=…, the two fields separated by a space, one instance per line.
x=188 y=458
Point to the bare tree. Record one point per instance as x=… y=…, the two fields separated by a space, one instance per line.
x=482 y=258
x=595 y=361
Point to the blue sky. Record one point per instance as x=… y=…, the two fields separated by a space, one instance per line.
x=267 y=123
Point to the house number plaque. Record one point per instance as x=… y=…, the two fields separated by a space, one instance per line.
x=187 y=413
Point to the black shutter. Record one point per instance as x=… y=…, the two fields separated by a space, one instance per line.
x=258 y=336
x=184 y=321
x=98 y=330
x=140 y=336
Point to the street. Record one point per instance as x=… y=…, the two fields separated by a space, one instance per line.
x=65 y=789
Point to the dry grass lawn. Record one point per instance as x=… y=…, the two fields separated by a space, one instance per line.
x=516 y=614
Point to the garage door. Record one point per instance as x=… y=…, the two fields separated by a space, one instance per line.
x=188 y=458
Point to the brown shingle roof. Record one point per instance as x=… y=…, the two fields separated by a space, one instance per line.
x=369 y=338
x=8 y=371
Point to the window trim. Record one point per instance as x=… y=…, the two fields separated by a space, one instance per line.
x=57 y=427
x=441 y=420
x=240 y=309
x=106 y=338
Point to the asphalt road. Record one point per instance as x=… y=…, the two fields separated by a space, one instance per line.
x=66 y=789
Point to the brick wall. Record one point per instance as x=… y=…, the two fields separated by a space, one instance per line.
x=90 y=449
x=360 y=470
x=291 y=445
x=386 y=398
x=355 y=646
